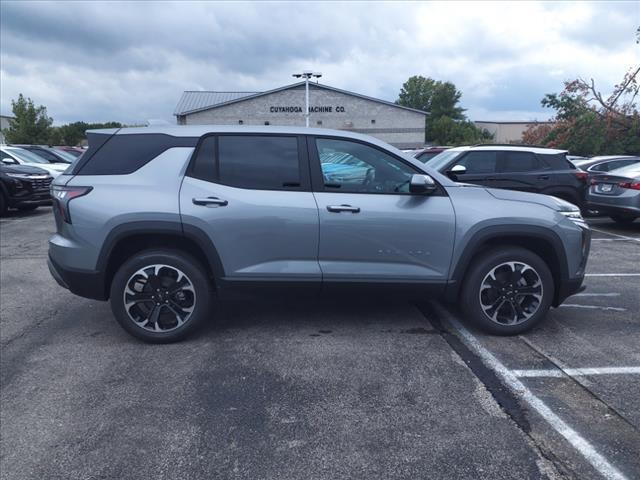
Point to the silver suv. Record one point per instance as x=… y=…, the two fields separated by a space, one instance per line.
x=163 y=220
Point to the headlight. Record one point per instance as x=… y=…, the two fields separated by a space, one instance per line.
x=575 y=217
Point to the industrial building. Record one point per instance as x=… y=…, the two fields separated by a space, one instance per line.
x=329 y=107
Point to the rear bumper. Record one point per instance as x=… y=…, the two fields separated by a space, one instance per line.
x=88 y=284
x=614 y=209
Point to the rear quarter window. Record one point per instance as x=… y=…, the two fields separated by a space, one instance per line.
x=124 y=154
x=557 y=161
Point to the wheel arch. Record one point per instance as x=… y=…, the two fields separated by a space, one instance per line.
x=129 y=238
x=540 y=240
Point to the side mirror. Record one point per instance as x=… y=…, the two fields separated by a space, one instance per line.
x=9 y=161
x=455 y=171
x=422 y=184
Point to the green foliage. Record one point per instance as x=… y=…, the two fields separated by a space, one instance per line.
x=447 y=131
x=446 y=123
x=30 y=123
x=73 y=133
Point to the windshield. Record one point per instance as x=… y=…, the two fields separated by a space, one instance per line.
x=632 y=170
x=442 y=159
x=26 y=155
x=66 y=156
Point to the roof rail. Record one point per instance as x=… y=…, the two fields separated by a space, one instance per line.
x=509 y=145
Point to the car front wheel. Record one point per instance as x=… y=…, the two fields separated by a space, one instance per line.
x=160 y=296
x=507 y=291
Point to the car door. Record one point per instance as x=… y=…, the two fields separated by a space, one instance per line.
x=371 y=228
x=250 y=194
x=480 y=167
x=523 y=171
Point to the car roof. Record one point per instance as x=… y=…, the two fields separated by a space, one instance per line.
x=514 y=148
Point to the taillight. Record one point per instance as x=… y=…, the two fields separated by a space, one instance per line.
x=582 y=176
x=631 y=185
x=63 y=195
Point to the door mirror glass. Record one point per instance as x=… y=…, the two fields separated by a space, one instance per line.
x=422 y=184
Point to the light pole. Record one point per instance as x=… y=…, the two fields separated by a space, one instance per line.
x=307 y=75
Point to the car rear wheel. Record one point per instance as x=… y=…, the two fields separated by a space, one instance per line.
x=623 y=218
x=160 y=296
x=507 y=290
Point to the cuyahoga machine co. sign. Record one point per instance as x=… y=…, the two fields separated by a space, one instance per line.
x=296 y=109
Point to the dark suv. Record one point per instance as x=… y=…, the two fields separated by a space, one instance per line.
x=523 y=168
x=23 y=187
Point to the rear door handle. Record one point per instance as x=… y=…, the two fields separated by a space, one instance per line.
x=343 y=208
x=210 y=201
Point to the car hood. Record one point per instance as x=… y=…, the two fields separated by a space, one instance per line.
x=23 y=169
x=549 y=201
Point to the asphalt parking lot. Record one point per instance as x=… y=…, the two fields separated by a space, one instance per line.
x=319 y=389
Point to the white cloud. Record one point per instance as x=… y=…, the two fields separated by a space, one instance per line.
x=131 y=61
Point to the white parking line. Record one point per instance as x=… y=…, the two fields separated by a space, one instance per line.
x=609 y=239
x=624 y=237
x=577 y=372
x=599 y=462
x=593 y=307
x=596 y=295
x=612 y=275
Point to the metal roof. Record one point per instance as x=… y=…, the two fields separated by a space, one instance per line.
x=194 y=101
x=191 y=100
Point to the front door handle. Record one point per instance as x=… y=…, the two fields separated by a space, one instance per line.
x=543 y=177
x=210 y=201
x=343 y=208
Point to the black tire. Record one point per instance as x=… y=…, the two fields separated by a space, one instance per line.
x=27 y=208
x=173 y=262
x=623 y=219
x=480 y=269
x=3 y=205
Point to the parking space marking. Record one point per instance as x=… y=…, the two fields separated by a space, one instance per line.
x=598 y=461
x=596 y=295
x=624 y=237
x=612 y=275
x=576 y=372
x=593 y=307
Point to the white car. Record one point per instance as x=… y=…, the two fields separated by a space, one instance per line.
x=19 y=156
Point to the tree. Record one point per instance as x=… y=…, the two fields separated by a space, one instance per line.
x=72 y=134
x=588 y=123
x=446 y=123
x=30 y=123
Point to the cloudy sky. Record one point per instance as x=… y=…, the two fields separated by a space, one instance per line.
x=130 y=61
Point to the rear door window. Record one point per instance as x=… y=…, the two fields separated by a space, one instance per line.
x=259 y=162
x=516 y=162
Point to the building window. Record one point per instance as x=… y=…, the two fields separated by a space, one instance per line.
x=319 y=122
x=373 y=121
x=267 y=123
x=240 y=122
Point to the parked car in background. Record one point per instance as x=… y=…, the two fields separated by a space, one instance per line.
x=23 y=187
x=426 y=154
x=10 y=155
x=576 y=158
x=219 y=208
x=617 y=193
x=523 y=168
x=50 y=154
x=604 y=164
x=75 y=151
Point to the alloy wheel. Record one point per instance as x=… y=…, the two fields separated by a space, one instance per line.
x=511 y=293
x=159 y=298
